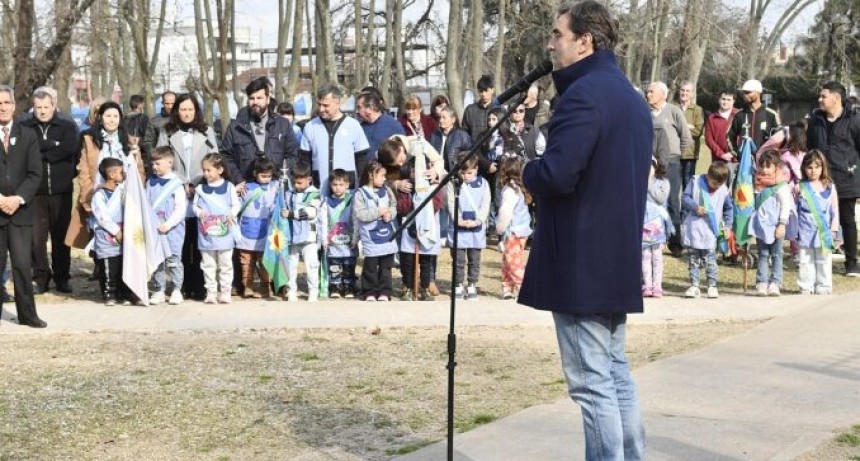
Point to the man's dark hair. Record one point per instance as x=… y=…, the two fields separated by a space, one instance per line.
x=591 y=17
x=485 y=82
x=370 y=100
x=261 y=83
x=375 y=91
x=107 y=164
x=135 y=101
x=301 y=169
x=329 y=89
x=836 y=87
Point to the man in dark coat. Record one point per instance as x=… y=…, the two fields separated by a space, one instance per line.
x=20 y=176
x=835 y=130
x=590 y=187
x=60 y=148
x=257 y=132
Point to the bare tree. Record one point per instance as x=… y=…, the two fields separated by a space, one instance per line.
x=475 y=32
x=296 y=54
x=452 y=63
x=138 y=16
x=325 y=45
x=694 y=39
x=760 y=45
x=214 y=88
x=502 y=25
x=33 y=71
x=385 y=80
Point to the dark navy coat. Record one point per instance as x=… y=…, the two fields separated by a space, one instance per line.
x=590 y=188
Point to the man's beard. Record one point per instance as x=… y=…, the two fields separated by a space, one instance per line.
x=256 y=112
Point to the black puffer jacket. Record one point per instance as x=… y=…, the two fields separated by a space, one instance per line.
x=239 y=146
x=60 y=147
x=840 y=142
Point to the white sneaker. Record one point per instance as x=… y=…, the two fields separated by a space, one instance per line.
x=692 y=292
x=225 y=298
x=472 y=293
x=773 y=290
x=175 y=298
x=313 y=297
x=761 y=289
x=458 y=292
x=292 y=297
x=156 y=298
x=713 y=293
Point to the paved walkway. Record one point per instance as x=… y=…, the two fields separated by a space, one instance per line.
x=770 y=394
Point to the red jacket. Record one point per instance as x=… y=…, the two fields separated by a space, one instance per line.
x=716 y=134
x=428 y=125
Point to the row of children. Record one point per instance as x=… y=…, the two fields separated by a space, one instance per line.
x=805 y=212
x=330 y=227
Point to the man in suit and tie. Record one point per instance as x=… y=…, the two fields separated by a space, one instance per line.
x=20 y=177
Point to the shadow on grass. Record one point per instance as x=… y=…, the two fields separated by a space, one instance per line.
x=367 y=435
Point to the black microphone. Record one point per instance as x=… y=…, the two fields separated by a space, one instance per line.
x=524 y=84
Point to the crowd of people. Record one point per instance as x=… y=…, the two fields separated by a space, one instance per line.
x=352 y=179
x=801 y=188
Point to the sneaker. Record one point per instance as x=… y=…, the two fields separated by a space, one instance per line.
x=458 y=292
x=407 y=295
x=249 y=293
x=761 y=289
x=313 y=297
x=292 y=297
x=157 y=298
x=692 y=292
x=335 y=292
x=823 y=291
x=225 y=298
x=349 y=293
x=382 y=298
x=127 y=302
x=370 y=298
x=773 y=290
x=852 y=270
x=425 y=295
x=211 y=298
x=647 y=293
x=713 y=293
x=110 y=302
x=175 y=298
x=472 y=293
x=806 y=292
x=657 y=293
x=507 y=295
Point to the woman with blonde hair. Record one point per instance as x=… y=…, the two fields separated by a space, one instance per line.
x=414 y=121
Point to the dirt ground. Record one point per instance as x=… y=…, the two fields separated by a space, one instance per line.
x=320 y=394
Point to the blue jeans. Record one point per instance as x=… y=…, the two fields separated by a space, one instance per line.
x=769 y=268
x=676 y=189
x=688 y=169
x=598 y=380
x=700 y=258
x=173 y=264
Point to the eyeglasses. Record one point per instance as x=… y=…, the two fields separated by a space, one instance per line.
x=520 y=110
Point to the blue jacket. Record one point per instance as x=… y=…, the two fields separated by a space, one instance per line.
x=458 y=140
x=590 y=187
x=239 y=147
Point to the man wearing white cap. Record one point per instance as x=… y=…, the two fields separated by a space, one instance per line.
x=754 y=120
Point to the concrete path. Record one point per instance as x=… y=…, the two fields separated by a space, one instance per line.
x=770 y=394
x=85 y=316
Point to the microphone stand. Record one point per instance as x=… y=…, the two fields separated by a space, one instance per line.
x=454 y=177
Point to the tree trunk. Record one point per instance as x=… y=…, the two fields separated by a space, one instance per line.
x=452 y=63
x=360 y=61
x=296 y=53
x=285 y=12
x=63 y=75
x=385 y=85
x=500 y=44
x=476 y=41
x=660 y=21
x=325 y=44
x=371 y=39
x=32 y=72
x=694 y=39
x=400 y=75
